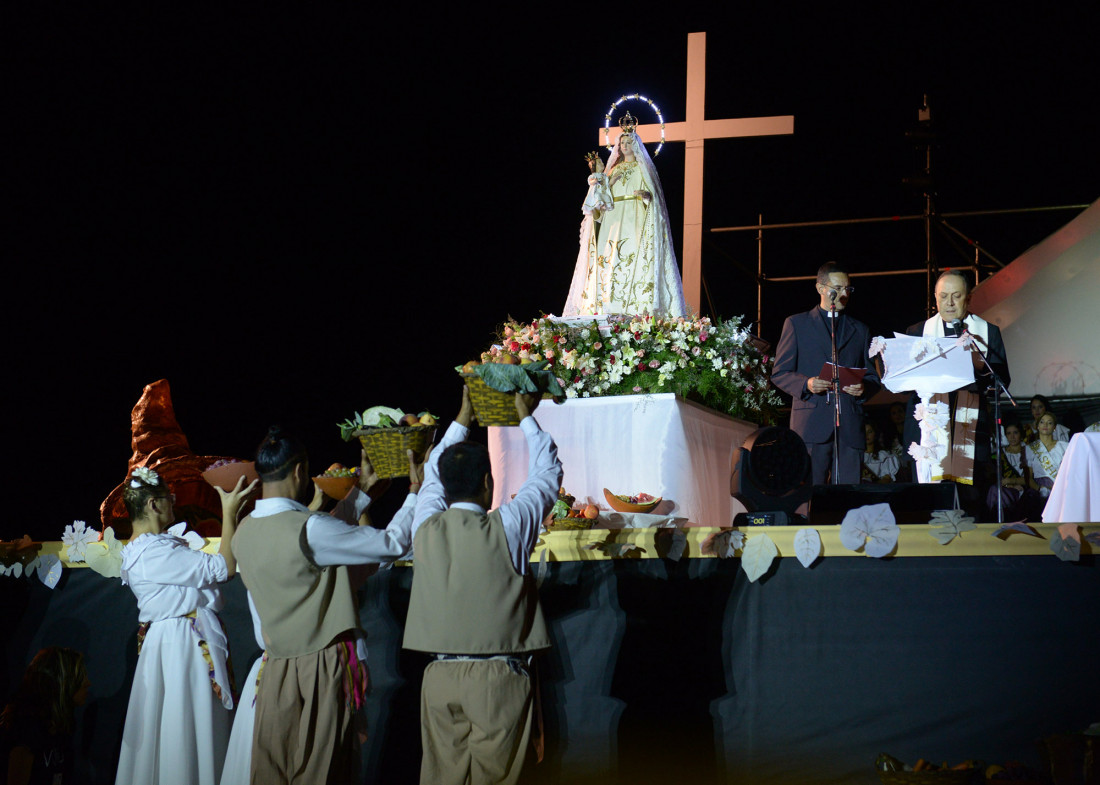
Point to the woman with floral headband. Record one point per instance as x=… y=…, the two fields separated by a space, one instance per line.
x=177 y=721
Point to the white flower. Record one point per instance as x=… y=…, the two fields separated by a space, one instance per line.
x=878 y=345
x=146 y=475
x=923 y=347
x=76 y=538
x=932 y=453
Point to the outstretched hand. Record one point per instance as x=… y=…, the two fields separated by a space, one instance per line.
x=232 y=500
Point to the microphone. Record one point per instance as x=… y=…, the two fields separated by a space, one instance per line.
x=832 y=295
x=958 y=326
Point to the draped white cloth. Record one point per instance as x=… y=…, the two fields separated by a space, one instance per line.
x=626 y=262
x=631 y=444
x=1076 y=493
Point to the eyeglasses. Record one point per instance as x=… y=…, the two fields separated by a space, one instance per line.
x=839 y=289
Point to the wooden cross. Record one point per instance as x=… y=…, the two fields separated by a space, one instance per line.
x=693 y=131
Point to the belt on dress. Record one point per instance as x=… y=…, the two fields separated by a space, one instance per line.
x=626 y=198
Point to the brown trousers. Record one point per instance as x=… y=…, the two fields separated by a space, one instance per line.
x=475 y=720
x=303 y=733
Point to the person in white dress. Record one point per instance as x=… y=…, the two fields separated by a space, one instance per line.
x=1047 y=452
x=1040 y=405
x=1018 y=489
x=177 y=720
x=626 y=263
x=879 y=464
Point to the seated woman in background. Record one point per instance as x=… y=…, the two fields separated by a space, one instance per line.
x=893 y=438
x=1047 y=453
x=1019 y=491
x=1040 y=405
x=36 y=728
x=879 y=465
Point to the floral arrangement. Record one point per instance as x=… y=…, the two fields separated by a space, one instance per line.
x=711 y=362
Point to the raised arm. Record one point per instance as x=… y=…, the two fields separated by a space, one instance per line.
x=231 y=505
x=431 y=500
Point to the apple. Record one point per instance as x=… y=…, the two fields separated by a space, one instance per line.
x=410 y=419
x=469 y=367
x=507 y=358
x=591 y=512
x=427 y=419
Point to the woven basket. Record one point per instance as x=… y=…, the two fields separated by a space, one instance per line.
x=564 y=524
x=492 y=407
x=386 y=447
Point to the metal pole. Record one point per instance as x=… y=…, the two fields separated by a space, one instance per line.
x=759 y=273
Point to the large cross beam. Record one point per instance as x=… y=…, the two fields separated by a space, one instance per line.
x=693 y=131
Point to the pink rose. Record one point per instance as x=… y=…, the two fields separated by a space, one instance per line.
x=654 y=363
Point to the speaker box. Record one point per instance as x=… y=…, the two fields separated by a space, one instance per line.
x=911 y=502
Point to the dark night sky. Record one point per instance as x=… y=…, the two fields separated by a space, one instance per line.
x=294 y=218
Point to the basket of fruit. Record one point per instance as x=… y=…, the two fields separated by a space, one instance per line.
x=493 y=386
x=386 y=434
x=643 y=502
x=337 y=480
x=565 y=516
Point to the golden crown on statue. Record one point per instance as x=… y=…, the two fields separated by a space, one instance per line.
x=628 y=123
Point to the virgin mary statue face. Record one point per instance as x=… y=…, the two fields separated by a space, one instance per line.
x=626 y=144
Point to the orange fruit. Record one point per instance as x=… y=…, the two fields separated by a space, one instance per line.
x=591 y=512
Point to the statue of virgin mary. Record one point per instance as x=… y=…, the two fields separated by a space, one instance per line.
x=626 y=263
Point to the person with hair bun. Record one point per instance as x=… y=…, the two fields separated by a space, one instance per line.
x=295 y=564
x=36 y=728
x=1039 y=406
x=177 y=720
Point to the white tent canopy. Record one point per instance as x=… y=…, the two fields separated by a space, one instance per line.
x=1047 y=304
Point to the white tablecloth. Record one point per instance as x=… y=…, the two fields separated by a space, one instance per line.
x=631 y=444
x=1075 y=497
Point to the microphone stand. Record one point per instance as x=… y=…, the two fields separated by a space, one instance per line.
x=997 y=387
x=835 y=388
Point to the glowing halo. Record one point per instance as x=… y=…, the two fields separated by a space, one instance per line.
x=632 y=97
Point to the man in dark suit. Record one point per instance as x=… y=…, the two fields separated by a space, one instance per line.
x=971 y=433
x=804 y=347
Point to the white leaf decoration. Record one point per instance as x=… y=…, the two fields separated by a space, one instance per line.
x=15 y=570
x=106 y=557
x=807 y=546
x=871 y=527
x=757 y=556
x=947 y=524
x=194 y=540
x=77 y=537
x=49 y=570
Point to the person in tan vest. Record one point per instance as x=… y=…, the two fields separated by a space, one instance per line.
x=474 y=604
x=294 y=563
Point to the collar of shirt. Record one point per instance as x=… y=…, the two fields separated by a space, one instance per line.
x=830 y=313
x=265 y=507
x=469 y=506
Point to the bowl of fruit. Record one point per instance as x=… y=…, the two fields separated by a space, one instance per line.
x=565 y=516
x=225 y=473
x=642 y=502
x=337 y=480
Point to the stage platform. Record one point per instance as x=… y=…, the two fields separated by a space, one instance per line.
x=682 y=670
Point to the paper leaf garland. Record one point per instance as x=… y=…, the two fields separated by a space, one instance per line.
x=948 y=524
x=757 y=556
x=807 y=546
x=1066 y=542
x=1065 y=548
x=15 y=570
x=724 y=544
x=871 y=527
x=76 y=538
x=1093 y=537
x=670 y=543
x=106 y=557
x=194 y=540
x=49 y=570
x=1019 y=526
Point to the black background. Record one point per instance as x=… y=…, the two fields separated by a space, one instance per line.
x=294 y=217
